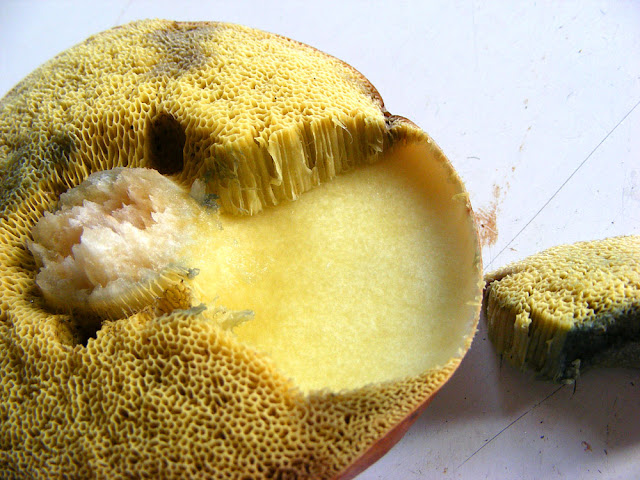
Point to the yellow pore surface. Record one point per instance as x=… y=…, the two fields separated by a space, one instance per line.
x=355 y=282
x=256 y=120
x=532 y=305
x=571 y=284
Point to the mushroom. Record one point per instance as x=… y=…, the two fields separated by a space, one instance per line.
x=568 y=308
x=221 y=257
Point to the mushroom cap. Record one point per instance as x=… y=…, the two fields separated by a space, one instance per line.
x=253 y=119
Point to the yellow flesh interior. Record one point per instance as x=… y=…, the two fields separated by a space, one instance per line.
x=357 y=281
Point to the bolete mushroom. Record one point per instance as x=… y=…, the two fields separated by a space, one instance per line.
x=220 y=257
x=568 y=308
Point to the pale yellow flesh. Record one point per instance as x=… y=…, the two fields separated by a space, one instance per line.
x=353 y=283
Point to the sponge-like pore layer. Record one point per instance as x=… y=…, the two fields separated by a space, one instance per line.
x=251 y=121
x=568 y=307
x=112 y=246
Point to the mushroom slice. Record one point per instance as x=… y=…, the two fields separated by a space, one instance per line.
x=568 y=308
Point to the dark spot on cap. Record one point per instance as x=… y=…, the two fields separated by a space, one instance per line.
x=30 y=166
x=180 y=46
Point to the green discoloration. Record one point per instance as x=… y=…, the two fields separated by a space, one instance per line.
x=596 y=342
x=211 y=201
x=180 y=46
x=14 y=174
x=27 y=166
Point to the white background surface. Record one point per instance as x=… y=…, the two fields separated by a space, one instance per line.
x=537 y=106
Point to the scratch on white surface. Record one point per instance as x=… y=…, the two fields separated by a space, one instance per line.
x=475 y=35
x=564 y=183
x=122 y=12
x=511 y=424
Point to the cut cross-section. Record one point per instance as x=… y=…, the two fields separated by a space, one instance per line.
x=356 y=282
x=313 y=241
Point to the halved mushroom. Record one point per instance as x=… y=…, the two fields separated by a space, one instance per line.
x=280 y=274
